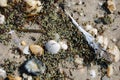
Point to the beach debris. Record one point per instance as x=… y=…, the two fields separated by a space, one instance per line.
x=36 y=49
x=111 y=5
x=26 y=50
x=92 y=73
x=110 y=70
x=33 y=6
x=35 y=67
x=52 y=46
x=63 y=45
x=3 y=74
x=23 y=43
x=3 y=3
x=2 y=19
x=101 y=53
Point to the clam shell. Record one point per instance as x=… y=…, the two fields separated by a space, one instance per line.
x=52 y=46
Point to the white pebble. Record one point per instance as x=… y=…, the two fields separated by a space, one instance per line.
x=63 y=45
x=34 y=6
x=52 y=46
x=2 y=19
x=92 y=73
x=88 y=27
x=3 y=73
x=3 y=3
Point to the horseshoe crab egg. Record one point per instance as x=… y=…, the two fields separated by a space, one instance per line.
x=34 y=66
x=52 y=46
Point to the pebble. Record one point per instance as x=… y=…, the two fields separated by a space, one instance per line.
x=105 y=78
x=111 y=5
x=12 y=77
x=34 y=6
x=36 y=49
x=79 y=61
x=3 y=3
x=26 y=50
x=34 y=66
x=23 y=43
x=93 y=73
x=2 y=19
x=52 y=46
x=63 y=45
x=3 y=74
x=110 y=70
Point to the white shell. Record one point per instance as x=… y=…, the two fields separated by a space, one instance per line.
x=3 y=3
x=110 y=70
x=3 y=73
x=2 y=19
x=52 y=47
x=93 y=73
x=34 y=6
x=26 y=50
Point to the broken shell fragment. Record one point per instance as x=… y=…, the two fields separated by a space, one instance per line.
x=33 y=6
x=111 y=5
x=36 y=49
x=2 y=19
x=110 y=70
x=52 y=46
x=34 y=66
x=3 y=3
x=3 y=74
x=26 y=50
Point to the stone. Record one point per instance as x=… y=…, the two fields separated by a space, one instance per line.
x=3 y=3
x=12 y=77
x=34 y=66
x=52 y=46
x=23 y=43
x=3 y=74
x=105 y=78
x=111 y=5
x=36 y=50
x=26 y=50
x=63 y=45
x=93 y=73
x=33 y=6
x=2 y=19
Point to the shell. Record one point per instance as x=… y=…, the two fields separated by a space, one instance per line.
x=2 y=19
x=26 y=50
x=110 y=70
x=3 y=3
x=33 y=6
x=36 y=49
x=52 y=46
x=34 y=66
x=3 y=74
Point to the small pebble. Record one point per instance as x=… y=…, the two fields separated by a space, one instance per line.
x=35 y=67
x=36 y=50
x=3 y=3
x=93 y=73
x=111 y=5
x=23 y=43
x=2 y=19
x=3 y=74
x=52 y=46
x=34 y=6
x=63 y=45
x=105 y=78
